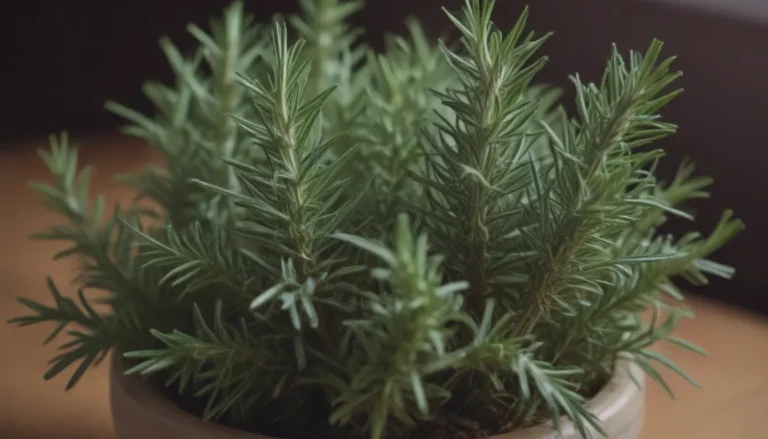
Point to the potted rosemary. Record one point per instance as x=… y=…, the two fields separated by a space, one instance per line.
x=418 y=243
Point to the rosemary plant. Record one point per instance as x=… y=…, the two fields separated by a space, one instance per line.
x=386 y=245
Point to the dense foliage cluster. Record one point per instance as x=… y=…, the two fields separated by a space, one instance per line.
x=379 y=244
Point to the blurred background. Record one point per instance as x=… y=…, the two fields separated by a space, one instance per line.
x=65 y=58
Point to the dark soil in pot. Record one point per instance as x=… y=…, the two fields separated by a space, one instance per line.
x=276 y=424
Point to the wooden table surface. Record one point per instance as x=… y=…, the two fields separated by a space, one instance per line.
x=732 y=404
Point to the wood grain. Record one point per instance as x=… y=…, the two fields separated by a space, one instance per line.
x=733 y=402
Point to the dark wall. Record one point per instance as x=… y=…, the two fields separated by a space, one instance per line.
x=64 y=59
x=68 y=57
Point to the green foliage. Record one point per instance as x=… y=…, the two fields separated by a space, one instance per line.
x=364 y=244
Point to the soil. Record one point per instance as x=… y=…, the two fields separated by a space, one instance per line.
x=452 y=433
x=321 y=430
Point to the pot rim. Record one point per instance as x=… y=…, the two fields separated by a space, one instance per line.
x=615 y=405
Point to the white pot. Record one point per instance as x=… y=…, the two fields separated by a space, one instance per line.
x=142 y=412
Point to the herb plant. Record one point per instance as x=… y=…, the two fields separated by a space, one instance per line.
x=400 y=244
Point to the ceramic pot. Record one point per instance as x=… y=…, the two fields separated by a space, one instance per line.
x=140 y=411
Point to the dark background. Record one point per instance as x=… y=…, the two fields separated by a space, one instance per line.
x=63 y=59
